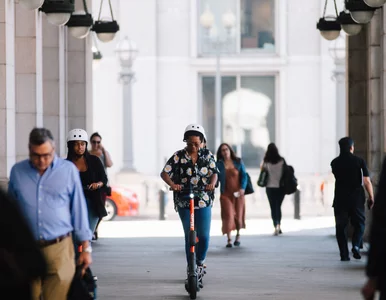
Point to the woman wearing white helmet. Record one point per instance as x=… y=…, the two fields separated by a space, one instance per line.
x=92 y=174
x=193 y=167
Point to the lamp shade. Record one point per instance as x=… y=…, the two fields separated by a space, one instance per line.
x=375 y=3
x=352 y=29
x=329 y=28
x=58 y=19
x=105 y=30
x=349 y=26
x=80 y=24
x=360 y=11
x=362 y=17
x=58 y=12
x=31 y=4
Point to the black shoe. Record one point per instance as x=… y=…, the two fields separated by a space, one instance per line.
x=237 y=241
x=345 y=258
x=355 y=252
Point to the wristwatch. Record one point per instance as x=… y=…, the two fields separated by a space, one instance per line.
x=88 y=249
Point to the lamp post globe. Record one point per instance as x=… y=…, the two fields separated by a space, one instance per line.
x=229 y=20
x=127 y=52
x=337 y=50
x=207 y=18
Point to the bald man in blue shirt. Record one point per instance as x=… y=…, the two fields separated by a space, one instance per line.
x=49 y=193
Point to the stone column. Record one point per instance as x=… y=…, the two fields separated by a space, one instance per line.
x=375 y=96
x=76 y=78
x=28 y=77
x=7 y=89
x=79 y=80
x=53 y=83
x=357 y=93
x=365 y=93
x=365 y=96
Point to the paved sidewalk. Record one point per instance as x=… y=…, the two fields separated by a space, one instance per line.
x=145 y=260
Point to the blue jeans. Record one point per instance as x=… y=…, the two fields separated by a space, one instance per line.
x=93 y=220
x=202 y=221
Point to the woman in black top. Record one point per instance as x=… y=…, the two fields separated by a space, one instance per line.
x=92 y=174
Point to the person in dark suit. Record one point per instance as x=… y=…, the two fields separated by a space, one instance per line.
x=376 y=263
x=351 y=174
x=21 y=261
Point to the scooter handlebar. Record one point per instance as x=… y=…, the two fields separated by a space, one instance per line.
x=194 y=189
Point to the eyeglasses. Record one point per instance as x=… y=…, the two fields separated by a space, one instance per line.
x=44 y=156
x=197 y=145
x=96 y=142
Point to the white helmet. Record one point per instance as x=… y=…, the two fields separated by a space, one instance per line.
x=77 y=135
x=194 y=127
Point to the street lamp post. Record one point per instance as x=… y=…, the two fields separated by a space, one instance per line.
x=127 y=52
x=338 y=53
x=207 y=20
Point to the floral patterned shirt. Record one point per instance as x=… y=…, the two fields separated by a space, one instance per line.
x=181 y=170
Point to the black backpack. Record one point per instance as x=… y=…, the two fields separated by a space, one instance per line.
x=288 y=181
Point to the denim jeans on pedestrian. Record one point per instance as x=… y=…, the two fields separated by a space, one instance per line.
x=275 y=198
x=93 y=220
x=202 y=221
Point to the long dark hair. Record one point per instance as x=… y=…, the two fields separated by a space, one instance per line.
x=95 y=134
x=233 y=154
x=272 y=155
x=71 y=152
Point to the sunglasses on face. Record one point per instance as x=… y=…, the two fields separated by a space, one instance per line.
x=96 y=142
x=197 y=145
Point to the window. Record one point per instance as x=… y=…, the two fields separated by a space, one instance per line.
x=217 y=8
x=248 y=114
x=254 y=30
x=257 y=25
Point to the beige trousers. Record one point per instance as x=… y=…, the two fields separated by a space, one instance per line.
x=60 y=272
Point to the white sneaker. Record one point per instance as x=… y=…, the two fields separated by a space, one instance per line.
x=200 y=275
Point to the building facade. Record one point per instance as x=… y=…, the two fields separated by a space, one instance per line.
x=276 y=81
x=45 y=80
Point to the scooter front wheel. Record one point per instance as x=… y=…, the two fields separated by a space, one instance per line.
x=192 y=284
